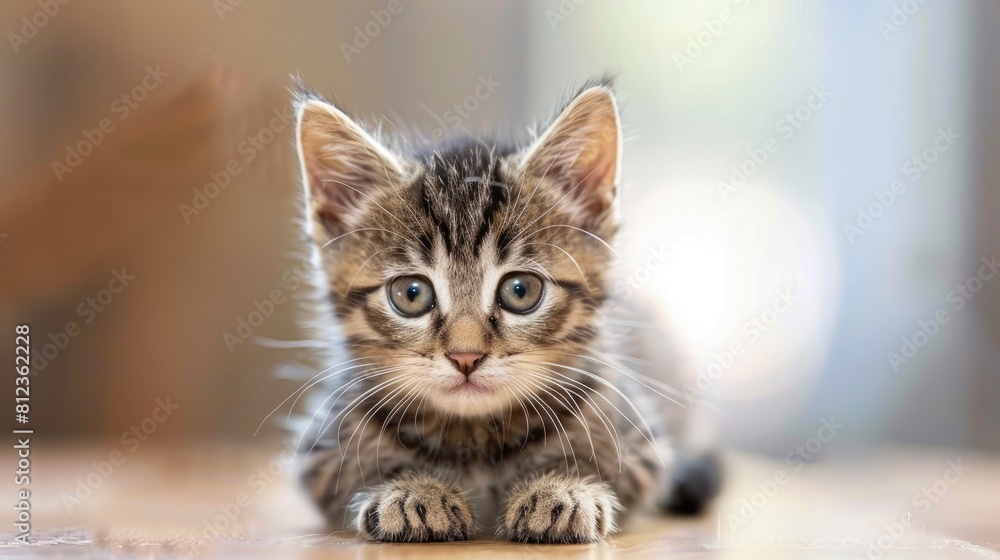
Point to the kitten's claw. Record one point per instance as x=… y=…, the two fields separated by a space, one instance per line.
x=559 y=509
x=416 y=508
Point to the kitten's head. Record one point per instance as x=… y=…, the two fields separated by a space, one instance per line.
x=468 y=275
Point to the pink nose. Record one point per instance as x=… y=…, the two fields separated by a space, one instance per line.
x=466 y=362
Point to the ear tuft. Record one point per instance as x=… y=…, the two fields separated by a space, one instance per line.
x=581 y=151
x=341 y=163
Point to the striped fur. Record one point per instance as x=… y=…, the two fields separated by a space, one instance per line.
x=545 y=441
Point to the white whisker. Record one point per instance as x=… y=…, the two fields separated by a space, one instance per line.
x=302 y=389
x=609 y=424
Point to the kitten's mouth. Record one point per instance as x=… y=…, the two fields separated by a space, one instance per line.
x=471 y=396
x=471 y=386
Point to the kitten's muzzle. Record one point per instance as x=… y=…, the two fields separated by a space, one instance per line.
x=466 y=362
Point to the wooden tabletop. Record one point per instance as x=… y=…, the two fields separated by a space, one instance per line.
x=220 y=501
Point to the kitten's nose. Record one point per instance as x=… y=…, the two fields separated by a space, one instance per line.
x=466 y=362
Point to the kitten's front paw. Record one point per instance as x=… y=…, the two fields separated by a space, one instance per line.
x=559 y=509
x=415 y=508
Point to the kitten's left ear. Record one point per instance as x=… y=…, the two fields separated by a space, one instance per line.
x=582 y=152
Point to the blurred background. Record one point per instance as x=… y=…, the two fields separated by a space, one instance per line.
x=813 y=183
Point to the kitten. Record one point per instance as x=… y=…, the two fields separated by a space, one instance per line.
x=468 y=286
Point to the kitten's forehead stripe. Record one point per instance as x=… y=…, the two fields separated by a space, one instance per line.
x=429 y=207
x=461 y=193
x=499 y=196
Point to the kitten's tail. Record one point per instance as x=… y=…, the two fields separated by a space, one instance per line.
x=696 y=481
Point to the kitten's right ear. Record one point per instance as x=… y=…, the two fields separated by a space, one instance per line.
x=341 y=164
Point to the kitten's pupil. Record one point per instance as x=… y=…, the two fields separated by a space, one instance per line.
x=519 y=289
x=413 y=292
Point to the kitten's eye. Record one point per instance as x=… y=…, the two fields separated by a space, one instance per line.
x=520 y=292
x=411 y=296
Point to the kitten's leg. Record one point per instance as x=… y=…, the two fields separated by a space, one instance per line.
x=556 y=508
x=416 y=507
x=332 y=480
x=406 y=507
x=549 y=503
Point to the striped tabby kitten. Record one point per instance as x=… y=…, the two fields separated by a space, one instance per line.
x=468 y=286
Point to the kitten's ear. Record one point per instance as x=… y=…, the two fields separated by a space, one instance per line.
x=582 y=152
x=341 y=164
